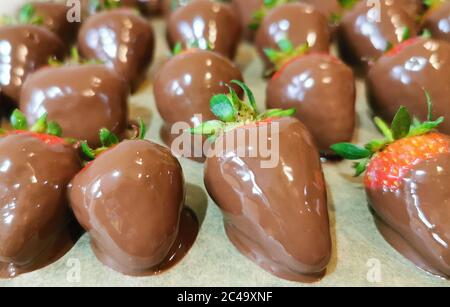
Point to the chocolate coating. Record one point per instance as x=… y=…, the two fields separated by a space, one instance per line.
x=81 y=98
x=130 y=200
x=300 y=23
x=120 y=38
x=438 y=22
x=415 y=220
x=55 y=19
x=24 y=49
x=275 y=216
x=322 y=89
x=89 y=7
x=34 y=206
x=400 y=79
x=208 y=23
x=184 y=86
x=246 y=10
x=363 y=39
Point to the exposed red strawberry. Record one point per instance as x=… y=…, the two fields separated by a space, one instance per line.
x=386 y=170
x=46 y=138
x=400 y=47
x=407 y=142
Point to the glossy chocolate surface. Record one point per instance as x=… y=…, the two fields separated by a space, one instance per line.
x=322 y=89
x=130 y=200
x=400 y=78
x=55 y=19
x=364 y=35
x=24 y=49
x=184 y=86
x=90 y=7
x=276 y=216
x=81 y=98
x=120 y=38
x=208 y=23
x=246 y=10
x=35 y=217
x=415 y=219
x=300 y=23
x=438 y=22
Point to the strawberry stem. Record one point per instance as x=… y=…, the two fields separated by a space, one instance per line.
x=42 y=125
x=232 y=112
x=285 y=54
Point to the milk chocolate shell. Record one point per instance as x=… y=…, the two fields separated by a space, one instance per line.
x=401 y=76
x=300 y=23
x=322 y=89
x=184 y=86
x=246 y=10
x=35 y=223
x=54 y=16
x=130 y=200
x=120 y=38
x=81 y=98
x=415 y=220
x=277 y=216
x=364 y=35
x=437 y=20
x=24 y=49
x=210 y=24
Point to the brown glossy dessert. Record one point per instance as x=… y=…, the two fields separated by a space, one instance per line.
x=413 y=7
x=402 y=74
x=24 y=49
x=184 y=86
x=246 y=10
x=92 y=7
x=364 y=35
x=36 y=227
x=169 y=6
x=406 y=181
x=277 y=216
x=54 y=18
x=81 y=98
x=322 y=90
x=212 y=25
x=130 y=200
x=121 y=39
x=437 y=21
x=297 y=22
x=263 y=170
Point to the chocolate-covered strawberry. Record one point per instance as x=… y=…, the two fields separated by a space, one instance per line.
x=413 y=7
x=121 y=39
x=130 y=199
x=320 y=87
x=36 y=166
x=24 y=49
x=407 y=185
x=185 y=84
x=437 y=19
x=297 y=22
x=81 y=97
x=264 y=172
x=400 y=76
x=211 y=24
x=366 y=32
x=332 y=9
x=53 y=16
x=247 y=10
